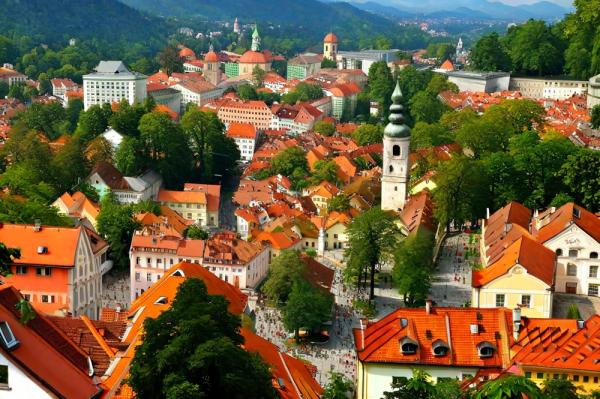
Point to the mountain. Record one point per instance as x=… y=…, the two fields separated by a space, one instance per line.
x=383 y=10
x=60 y=19
x=544 y=10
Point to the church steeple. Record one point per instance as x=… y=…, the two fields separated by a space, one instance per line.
x=255 y=39
x=396 y=126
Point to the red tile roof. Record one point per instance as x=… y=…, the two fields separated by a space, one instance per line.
x=567 y=215
x=418 y=212
x=187 y=197
x=212 y=192
x=242 y=130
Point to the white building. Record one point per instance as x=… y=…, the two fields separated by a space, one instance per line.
x=573 y=233
x=594 y=92
x=10 y=76
x=396 y=143
x=488 y=82
x=364 y=59
x=106 y=178
x=555 y=89
x=197 y=91
x=246 y=137
x=113 y=82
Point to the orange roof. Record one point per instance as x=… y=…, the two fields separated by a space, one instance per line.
x=324 y=189
x=211 y=56
x=225 y=246
x=254 y=57
x=346 y=168
x=330 y=38
x=560 y=344
x=45 y=353
x=165 y=109
x=380 y=342
x=538 y=260
x=60 y=242
x=212 y=191
x=277 y=239
x=169 y=223
x=418 y=212
x=298 y=382
x=187 y=53
x=186 y=197
x=447 y=66
x=187 y=247
x=565 y=216
x=312 y=157
x=242 y=130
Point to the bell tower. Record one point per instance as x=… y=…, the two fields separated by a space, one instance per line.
x=396 y=143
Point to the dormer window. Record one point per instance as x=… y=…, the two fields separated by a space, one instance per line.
x=440 y=348
x=161 y=301
x=485 y=349
x=408 y=346
x=8 y=338
x=178 y=273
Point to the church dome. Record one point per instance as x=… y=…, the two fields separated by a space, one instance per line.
x=211 y=56
x=187 y=53
x=396 y=128
x=253 y=57
x=330 y=38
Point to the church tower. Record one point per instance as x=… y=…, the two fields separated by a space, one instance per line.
x=255 y=39
x=459 y=47
x=330 y=46
x=236 y=26
x=212 y=70
x=396 y=142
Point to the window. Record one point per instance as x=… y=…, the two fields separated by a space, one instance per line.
x=485 y=349
x=571 y=269
x=526 y=301
x=528 y=374
x=396 y=150
x=391 y=169
x=137 y=276
x=21 y=269
x=399 y=380
x=27 y=297
x=3 y=376
x=539 y=376
x=573 y=253
x=586 y=378
x=593 y=289
x=593 y=255
x=148 y=276
x=576 y=378
x=43 y=271
x=8 y=338
x=440 y=348
x=559 y=252
x=593 y=271
x=48 y=298
x=500 y=300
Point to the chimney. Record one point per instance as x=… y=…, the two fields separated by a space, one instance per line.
x=516 y=322
x=38 y=225
x=487 y=213
x=118 y=309
x=580 y=324
x=428 y=304
x=552 y=210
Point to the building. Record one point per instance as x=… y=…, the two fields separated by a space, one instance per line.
x=256 y=113
x=555 y=89
x=396 y=143
x=245 y=136
x=10 y=76
x=303 y=66
x=573 y=234
x=236 y=27
x=213 y=198
x=60 y=268
x=344 y=98
x=106 y=178
x=163 y=95
x=60 y=87
x=364 y=59
x=39 y=361
x=593 y=97
x=79 y=208
x=488 y=82
x=250 y=59
x=192 y=205
x=330 y=46
x=453 y=343
x=249 y=219
x=332 y=231
x=112 y=82
x=113 y=137
x=151 y=256
x=296 y=119
x=321 y=194
x=197 y=91
x=241 y=263
x=212 y=68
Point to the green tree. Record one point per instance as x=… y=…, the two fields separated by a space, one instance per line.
x=327 y=63
x=372 y=237
x=306 y=307
x=485 y=135
x=288 y=161
x=47 y=118
x=381 y=85
x=560 y=199
x=368 y=134
x=247 y=92
x=129 y=159
x=440 y=83
x=285 y=270
x=596 y=117
x=339 y=203
x=339 y=387
x=419 y=386
x=192 y=350
x=489 y=54
x=3 y=89
x=16 y=210
x=324 y=171
x=73 y=110
x=258 y=75
x=303 y=92
x=560 y=388
x=169 y=60
x=425 y=135
x=426 y=107
x=324 y=128
x=413 y=267
x=580 y=174
x=196 y=232
x=509 y=387
x=92 y=123
x=70 y=165
x=7 y=259
x=45 y=87
x=126 y=118
x=573 y=312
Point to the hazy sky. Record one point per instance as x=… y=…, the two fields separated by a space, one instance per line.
x=515 y=2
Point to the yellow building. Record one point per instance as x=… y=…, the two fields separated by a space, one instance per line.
x=191 y=205
x=522 y=276
x=78 y=206
x=321 y=194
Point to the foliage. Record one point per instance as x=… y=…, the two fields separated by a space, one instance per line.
x=425 y=135
x=169 y=60
x=560 y=199
x=311 y=252
x=490 y=54
x=367 y=309
x=3 y=89
x=440 y=83
x=573 y=312
x=441 y=51
x=193 y=350
x=372 y=237
x=126 y=118
x=46 y=118
x=559 y=388
x=285 y=270
x=419 y=386
x=368 y=134
x=92 y=122
x=509 y=387
x=381 y=85
x=7 y=258
x=306 y=307
x=426 y=107
x=129 y=159
x=580 y=174
x=26 y=311
x=413 y=267
x=292 y=163
x=247 y=92
x=338 y=387
x=339 y=203
x=324 y=128
x=196 y=232
x=596 y=117
x=258 y=75
x=303 y=92
x=327 y=63
x=324 y=171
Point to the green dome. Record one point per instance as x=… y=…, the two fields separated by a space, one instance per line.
x=396 y=127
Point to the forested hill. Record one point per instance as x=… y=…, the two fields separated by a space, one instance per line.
x=61 y=19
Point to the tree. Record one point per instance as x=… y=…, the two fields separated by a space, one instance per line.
x=573 y=312
x=4 y=88
x=486 y=134
x=7 y=259
x=288 y=161
x=368 y=134
x=440 y=83
x=372 y=237
x=413 y=267
x=285 y=270
x=70 y=165
x=324 y=171
x=560 y=199
x=324 y=128
x=47 y=118
x=126 y=118
x=116 y=224
x=306 y=307
x=327 y=63
x=425 y=135
x=99 y=149
x=92 y=123
x=247 y=92
x=129 y=159
x=169 y=60
x=196 y=232
x=381 y=85
x=73 y=110
x=193 y=350
x=509 y=387
x=489 y=54
x=258 y=75
x=426 y=107
x=339 y=387
x=16 y=210
x=339 y=203
x=580 y=174
x=419 y=386
x=303 y=92
x=560 y=388
x=596 y=117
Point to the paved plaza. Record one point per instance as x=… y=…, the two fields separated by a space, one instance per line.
x=115 y=290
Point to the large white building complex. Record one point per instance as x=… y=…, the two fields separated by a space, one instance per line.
x=113 y=82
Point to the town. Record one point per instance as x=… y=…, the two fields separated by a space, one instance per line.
x=226 y=220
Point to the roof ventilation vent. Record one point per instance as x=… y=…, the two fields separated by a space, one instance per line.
x=161 y=301
x=8 y=338
x=403 y=322
x=580 y=324
x=42 y=250
x=474 y=328
x=38 y=225
x=281 y=382
x=576 y=212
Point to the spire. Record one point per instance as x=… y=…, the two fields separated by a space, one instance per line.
x=396 y=127
x=255 y=39
x=211 y=48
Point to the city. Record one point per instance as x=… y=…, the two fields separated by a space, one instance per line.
x=236 y=199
